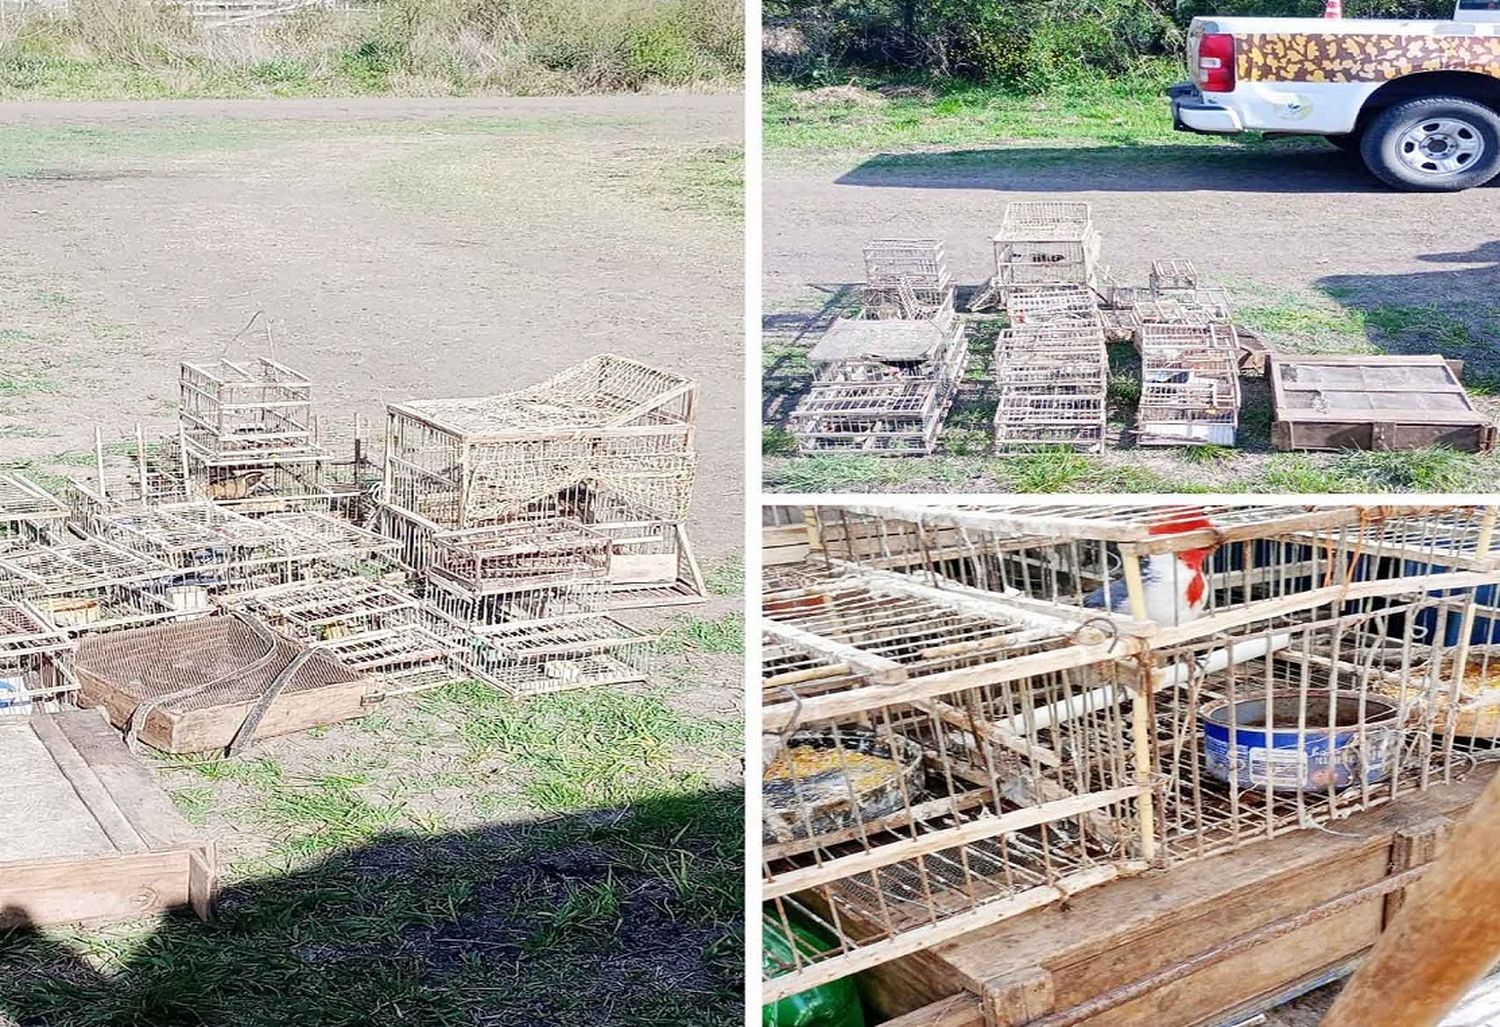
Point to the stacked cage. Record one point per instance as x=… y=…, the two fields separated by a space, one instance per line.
x=1052 y=380
x=1190 y=385
x=607 y=443
x=1043 y=245
x=521 y=606
x=247 y=433
x=881 y=386
x=28 y=512
x=1051 y=370
x=88 y=584
x=135 y=472
x=1266 y=670
x=916 y=786
x=1174 y=295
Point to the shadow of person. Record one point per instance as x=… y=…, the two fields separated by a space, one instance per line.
x=628 y=915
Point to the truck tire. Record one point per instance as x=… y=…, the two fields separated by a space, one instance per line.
x=1434 y=144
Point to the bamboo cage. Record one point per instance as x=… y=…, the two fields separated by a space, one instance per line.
x=27 y=511
x=881 y=386
x=1045 y=243
x=1190 y=385
x=134 y=472
x=521 y=554
x=607 y=442
x=247 y=432
x=1067 y=303
x=907 y=278
x=36 y=659
x=1053 y=381
x=1339 y=658
x=555 y=654
x=91 y=585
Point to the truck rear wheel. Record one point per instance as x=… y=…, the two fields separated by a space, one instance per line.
x=1434 y=144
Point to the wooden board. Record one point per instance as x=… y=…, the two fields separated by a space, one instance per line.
x=91 y=836
x=1373 y=402
x=1115 y=936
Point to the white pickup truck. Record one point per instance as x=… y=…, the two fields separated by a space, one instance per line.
x=1420 y=100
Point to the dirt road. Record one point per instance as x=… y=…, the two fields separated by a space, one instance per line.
x=398 y=248
x=1301 y=235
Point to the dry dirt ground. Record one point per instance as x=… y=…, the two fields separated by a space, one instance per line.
x=1319 y=258
x=453 y=858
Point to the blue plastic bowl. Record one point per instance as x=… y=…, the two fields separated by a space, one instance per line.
x=1276 y=755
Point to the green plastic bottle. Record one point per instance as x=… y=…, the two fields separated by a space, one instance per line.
x=827 y=1005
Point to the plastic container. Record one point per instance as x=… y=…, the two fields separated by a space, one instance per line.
x=828 y=1005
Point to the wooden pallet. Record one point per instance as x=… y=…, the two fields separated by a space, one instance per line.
x=1159 y=940
x=86 y=834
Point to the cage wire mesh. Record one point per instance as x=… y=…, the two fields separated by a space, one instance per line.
x=36 y=660
x=1213 y=675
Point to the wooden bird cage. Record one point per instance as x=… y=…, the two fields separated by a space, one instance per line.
x=90 y=585
x=35 y=661
x=1053 y=381
x=27 y=511
x=908 y=277
x=1190 y=385
x=1045 y=243
x=1344 y=659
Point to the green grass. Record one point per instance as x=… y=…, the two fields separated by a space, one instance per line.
x=724 y=634
x=726 y=577
x=1108 y=112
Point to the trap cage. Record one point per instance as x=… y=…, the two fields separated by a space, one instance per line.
x=1045 y=243
x=134 y=472
x=214 y=683
x=89 y=585
x=28 y=512
x=1190 y=385
x=1334 y=659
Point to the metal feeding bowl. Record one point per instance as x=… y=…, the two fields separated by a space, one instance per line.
x=820 y=783
x=1342 y=741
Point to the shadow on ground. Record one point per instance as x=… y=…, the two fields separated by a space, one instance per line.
x=615 y=917
x=1290 y=166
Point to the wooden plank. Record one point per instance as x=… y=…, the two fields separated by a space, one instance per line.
x=41 y=816
x=84 y=777
x=1410 y=847
x=876 y=668
x=130 y=784
x=99 y=888
x=976 y=830
x=1019 y=998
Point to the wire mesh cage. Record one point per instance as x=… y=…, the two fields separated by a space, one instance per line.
x=259 y=406
x=1265 y=669
x=888 y=418
x=134 y=472
x=328 y=610
x=214 y=682
x=35 y=661
x=1171 y=274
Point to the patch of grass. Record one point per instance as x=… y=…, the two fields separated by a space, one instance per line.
x=842 y=473
x=710 y=180
x=577 y=750
x=195 y=803
x=325 y=815
x=724 y=634
x=775 y=441
x=1048 y=470
x=1114 y=112
x=1209 y=454
x=1303 y=473
x=1306 y=325
x=726 y=577
x=1435 y=469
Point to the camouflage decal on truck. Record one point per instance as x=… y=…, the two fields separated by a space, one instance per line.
x=1319 y=57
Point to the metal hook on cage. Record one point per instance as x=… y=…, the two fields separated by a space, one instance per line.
x=258 y=315
x=1110 y=628
x=795 y=719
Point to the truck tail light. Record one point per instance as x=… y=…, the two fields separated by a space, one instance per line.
x=1215 y=70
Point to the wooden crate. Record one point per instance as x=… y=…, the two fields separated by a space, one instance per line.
x=1373 y=402
x=1160 y=941
x=86 y=834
